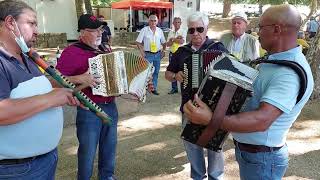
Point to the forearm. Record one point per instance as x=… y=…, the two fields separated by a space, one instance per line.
x=252 y=121
x=15 y=110
x=140 y=47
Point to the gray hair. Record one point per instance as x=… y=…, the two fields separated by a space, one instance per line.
x=12 y=8
x=153 y=17
x=198 y=16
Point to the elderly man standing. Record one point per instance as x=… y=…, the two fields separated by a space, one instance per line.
x=149 y=42
x=31 y=116
x=90 y=130
x=197 y=29
x=176 y=38
x=242 y=45
x=260 y=131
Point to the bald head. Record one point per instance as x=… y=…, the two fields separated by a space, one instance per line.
x=278 y=28
x=286 y=15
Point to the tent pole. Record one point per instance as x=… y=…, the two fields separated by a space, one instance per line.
x=130 y=28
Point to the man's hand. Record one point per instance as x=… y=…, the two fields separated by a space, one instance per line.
x=62 y=96
x=86 y=79
x=180 y=76
x=199 y=113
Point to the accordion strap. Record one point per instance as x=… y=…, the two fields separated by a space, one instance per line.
x=218 y=114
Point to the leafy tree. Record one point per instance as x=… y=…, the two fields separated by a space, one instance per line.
x=103 y=2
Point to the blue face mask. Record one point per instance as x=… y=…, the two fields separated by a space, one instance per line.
x=20 y=40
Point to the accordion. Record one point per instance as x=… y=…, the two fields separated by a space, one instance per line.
x=196 y=70
x=120 y=73
x=225 y=88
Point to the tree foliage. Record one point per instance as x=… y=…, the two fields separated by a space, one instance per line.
x=103 y=2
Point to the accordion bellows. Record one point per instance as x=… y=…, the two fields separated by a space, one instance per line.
x=120 y=73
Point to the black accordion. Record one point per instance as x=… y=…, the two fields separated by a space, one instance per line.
x=197 y=69
x=225 y=87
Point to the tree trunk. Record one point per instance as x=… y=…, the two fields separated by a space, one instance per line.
x=80 y=8
x=313 y=8
x=313 y=59
x=88 y=6
x=226 y=8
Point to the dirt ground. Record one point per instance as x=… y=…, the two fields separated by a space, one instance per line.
x=149 y=146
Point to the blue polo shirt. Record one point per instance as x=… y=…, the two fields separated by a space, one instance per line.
x=38 y=134
x=279 y=86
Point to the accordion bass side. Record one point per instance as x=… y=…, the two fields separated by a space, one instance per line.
x=120 y=73
x=225 y=88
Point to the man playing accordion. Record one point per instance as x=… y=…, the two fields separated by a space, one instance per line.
x=197 y=29
x=260 y=131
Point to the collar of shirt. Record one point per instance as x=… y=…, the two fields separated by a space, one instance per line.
x=285 y=55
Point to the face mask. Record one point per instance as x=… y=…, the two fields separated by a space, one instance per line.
x=20 y=40
x=98 y=42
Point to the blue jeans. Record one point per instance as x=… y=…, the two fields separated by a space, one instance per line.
x=91 y=132
x=155 y=60
x=263 y=165
x=174 y=84
x=196 y=158
x=41 y=168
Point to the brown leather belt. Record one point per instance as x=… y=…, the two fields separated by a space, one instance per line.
x=251 y=148
x=152 y=52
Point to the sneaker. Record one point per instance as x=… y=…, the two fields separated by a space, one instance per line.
x=173 y=91
x=155 y=93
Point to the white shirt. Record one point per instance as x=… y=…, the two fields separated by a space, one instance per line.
x=146 y=36
x=174 y=34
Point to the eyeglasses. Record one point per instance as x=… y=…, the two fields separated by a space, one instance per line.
x=261 y=27
x=193 y=30
x=96 y=30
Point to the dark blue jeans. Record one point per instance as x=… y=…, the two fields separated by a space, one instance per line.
x=91 y=132
x=41 y=168
x=174 y=84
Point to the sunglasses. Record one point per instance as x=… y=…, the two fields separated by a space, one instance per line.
x=193 y=30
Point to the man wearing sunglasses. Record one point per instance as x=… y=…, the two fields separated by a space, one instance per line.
x=197 y=30
x=176 y=37
x=90 y=130
x=260 y=131
x=149 y=42
x=242 y=45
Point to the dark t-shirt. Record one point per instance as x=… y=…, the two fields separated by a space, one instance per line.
x=106 y=34
x=183 y=55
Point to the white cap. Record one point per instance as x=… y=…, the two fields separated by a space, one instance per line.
x=240 y=15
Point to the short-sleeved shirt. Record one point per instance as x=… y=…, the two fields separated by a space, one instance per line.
x=174 y=34
x=313 y=26
x=279 y=86
x=38 y=134
x=182 y=56
x=146 y=36
x=74 y=61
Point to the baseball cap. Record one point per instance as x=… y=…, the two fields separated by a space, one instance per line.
x=88 y=21
x=240 y=15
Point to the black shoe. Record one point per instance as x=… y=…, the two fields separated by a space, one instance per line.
x=173 y=91
x=155 y=93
